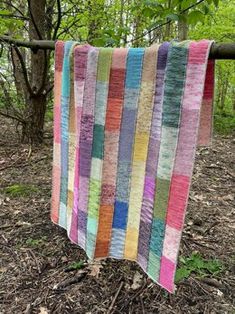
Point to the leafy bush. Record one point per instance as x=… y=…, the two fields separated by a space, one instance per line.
x=197 y=265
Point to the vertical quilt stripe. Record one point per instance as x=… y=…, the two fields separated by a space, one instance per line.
x=206 y=115
x=173 y=93
x=71 y=143
x=111 y=144
x=86 y=137
x=131 y=98
x=102 y=87
x=65 y=100
x=183 y=165
x=152 y=160
x=56 y=171
x=80 y=66
x=143 y=125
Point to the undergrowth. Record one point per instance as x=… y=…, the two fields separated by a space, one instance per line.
x=197 y=265
x=224 y=124
x=17 y=190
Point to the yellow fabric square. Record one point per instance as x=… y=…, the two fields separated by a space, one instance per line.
x=141 y=146
x=131 y=244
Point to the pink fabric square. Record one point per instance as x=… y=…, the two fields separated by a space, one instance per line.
x=83 y=193
x=78 y=112
x=186 y=143
x=177 y=201
x=57 y=124
x=205 y=128
x=197 y=52
x=171 y=243
x=55 y=199
x=167 y=272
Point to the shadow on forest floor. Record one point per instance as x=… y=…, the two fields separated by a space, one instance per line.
x=42 y=272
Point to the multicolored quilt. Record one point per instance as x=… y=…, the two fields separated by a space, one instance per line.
x=126 y=125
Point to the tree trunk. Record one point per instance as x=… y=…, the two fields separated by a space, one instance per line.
x=137 y=27
x=182 y=26
x=224 y=93
x=36 y=104
x=21 y=89
x=167 y=35
x=32 y=130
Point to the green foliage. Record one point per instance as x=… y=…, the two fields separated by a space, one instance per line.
x=36 y=242
x=75 y=266
x=224 y=123
x=126 y=23
x=197 y=265
x=7 y=23
x=195 y=16
x=49 y=115
x=17 y=190
x=221 y=29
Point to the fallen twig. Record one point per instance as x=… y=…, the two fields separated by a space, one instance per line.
x=210 y=227
x=14 y=164
x=28 y=309
x=115 y=297
x=212 y=282
x=70 y=281
x=142 y=305
x=131 y=299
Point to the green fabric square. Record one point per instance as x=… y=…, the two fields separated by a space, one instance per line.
x=98 y=141
x=161 y=198
x=153 y=266
x=94 y=198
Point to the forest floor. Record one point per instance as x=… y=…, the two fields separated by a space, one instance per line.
x=39 y=267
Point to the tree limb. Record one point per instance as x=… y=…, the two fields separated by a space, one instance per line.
x=24 y=70
x=218 y=50
x=71 y=25
x=13 y=16
x=14 y=7
x=44 y=74
x=7 y=115
x=58 y=20
x=34 y=44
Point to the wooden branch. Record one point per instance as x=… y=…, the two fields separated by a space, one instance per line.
x=13 y=16
x=7 y=115
x=24 y=70
x=58 y=20
x=69 y=26
x=8 y=3
x=44 y=74
x=218 y=50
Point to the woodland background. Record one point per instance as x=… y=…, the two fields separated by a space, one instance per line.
x=41 y=272
x=26 y=76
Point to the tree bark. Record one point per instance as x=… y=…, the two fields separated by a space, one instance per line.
x=168 y=26
x=182 y=29
x=182 y=25
x=32 y=130
x=36 y=105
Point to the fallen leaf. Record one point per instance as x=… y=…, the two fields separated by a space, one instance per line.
x=219 y=293
x=43 y=310
x=94 y=268
x=137 y=281
x=228 y=197
x=64 y=258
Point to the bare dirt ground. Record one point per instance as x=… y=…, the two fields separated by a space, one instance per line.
x=36 y=255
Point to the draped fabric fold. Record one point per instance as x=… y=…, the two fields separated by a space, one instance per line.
x=127 y=122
